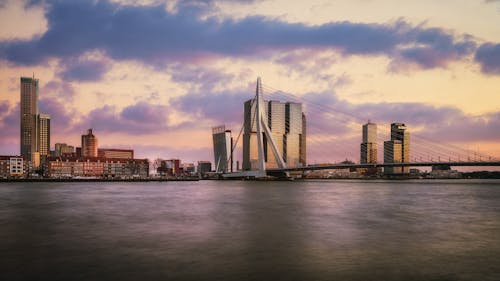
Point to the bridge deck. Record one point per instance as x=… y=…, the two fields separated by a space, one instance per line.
x=377 y=165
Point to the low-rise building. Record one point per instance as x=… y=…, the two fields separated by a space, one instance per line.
x=12 y=166
x=171 y=167
x=204 y=167
x=69 y=167
x=115 y=153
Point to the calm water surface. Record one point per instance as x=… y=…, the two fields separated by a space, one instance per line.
x=236 y=230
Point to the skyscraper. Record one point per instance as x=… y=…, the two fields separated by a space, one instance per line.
x=287 y=124
x=223 y=143
x=393 y=154
x=369 y=144
x=44 y=136
x=89 y=144
x=303 y=146
x=29 y=124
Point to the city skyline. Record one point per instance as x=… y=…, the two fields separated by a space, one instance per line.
x=434 y=71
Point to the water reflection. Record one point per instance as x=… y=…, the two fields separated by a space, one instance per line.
x=323 y=230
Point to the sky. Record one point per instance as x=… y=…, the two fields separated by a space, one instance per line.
x=156 y=75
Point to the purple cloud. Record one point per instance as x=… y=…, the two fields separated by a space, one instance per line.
x=488 y=56
x=138 y=119
x=444 y=123
x=83 y=71
x=143 y=112
x=4 y=107
x=58 y=89
x=60 y=119
x=221 y=107
x=152 y=35
x=186 y=154
x=9 y=128
x=200 y=79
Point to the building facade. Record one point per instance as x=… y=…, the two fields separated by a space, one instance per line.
x=397 y=150
x=63 y=149
x=204 y=167
x=303 y=146
x=70 y=167
x=369 y=144
x=171 y=167
x=44 y=136
x=223 y=143
x=115 y=153
x=12 y=166
x=28 y=118
x=287 y=124
x=89 y=144
x=393 y=154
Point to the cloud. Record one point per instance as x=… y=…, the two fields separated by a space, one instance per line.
x=488 y=57
x=58 y=89
x=200 y=78
x=186 y=154
x=84 y=71
x=432 y=48
x=9 y=128
x=137 y=119
x=4 y=107
x=155 y=36
x=328 y=115
x=143 y=112
x=221 y=107
x=61 y=120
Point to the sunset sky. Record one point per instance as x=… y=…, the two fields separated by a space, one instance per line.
x=155 y=76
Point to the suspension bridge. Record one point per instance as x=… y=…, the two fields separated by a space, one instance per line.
x=424 y=152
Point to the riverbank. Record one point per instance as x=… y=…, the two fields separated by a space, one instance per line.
x=98 y=180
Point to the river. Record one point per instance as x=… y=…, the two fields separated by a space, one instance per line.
x=251 y=230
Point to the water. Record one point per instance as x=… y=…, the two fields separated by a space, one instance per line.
x=237 y=230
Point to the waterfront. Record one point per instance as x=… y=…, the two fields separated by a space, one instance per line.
x=238 y=230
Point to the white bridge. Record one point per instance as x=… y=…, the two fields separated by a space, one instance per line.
x=262 y=129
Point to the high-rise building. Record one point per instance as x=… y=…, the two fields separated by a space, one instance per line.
x=29 y=124
x=287 y=124
x=44 y=136
x=393 y=154
x=89 y=144
x=303 y=146
x=369 y=144
x=223 y=143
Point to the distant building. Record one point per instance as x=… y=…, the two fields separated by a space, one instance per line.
x=29 y=124
x=188 y=168
x=287 y=124
x=204 y=167
x=223 y=143
x=89 y=144
x=78 y=151
x=44 y=136
x=302 y=145
x=399 y=137
x=12 y=166
x=62 y=149
x=369 y=144
x=68 y=167
x=393 y=154
x=115 y=153
x=171 y=167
